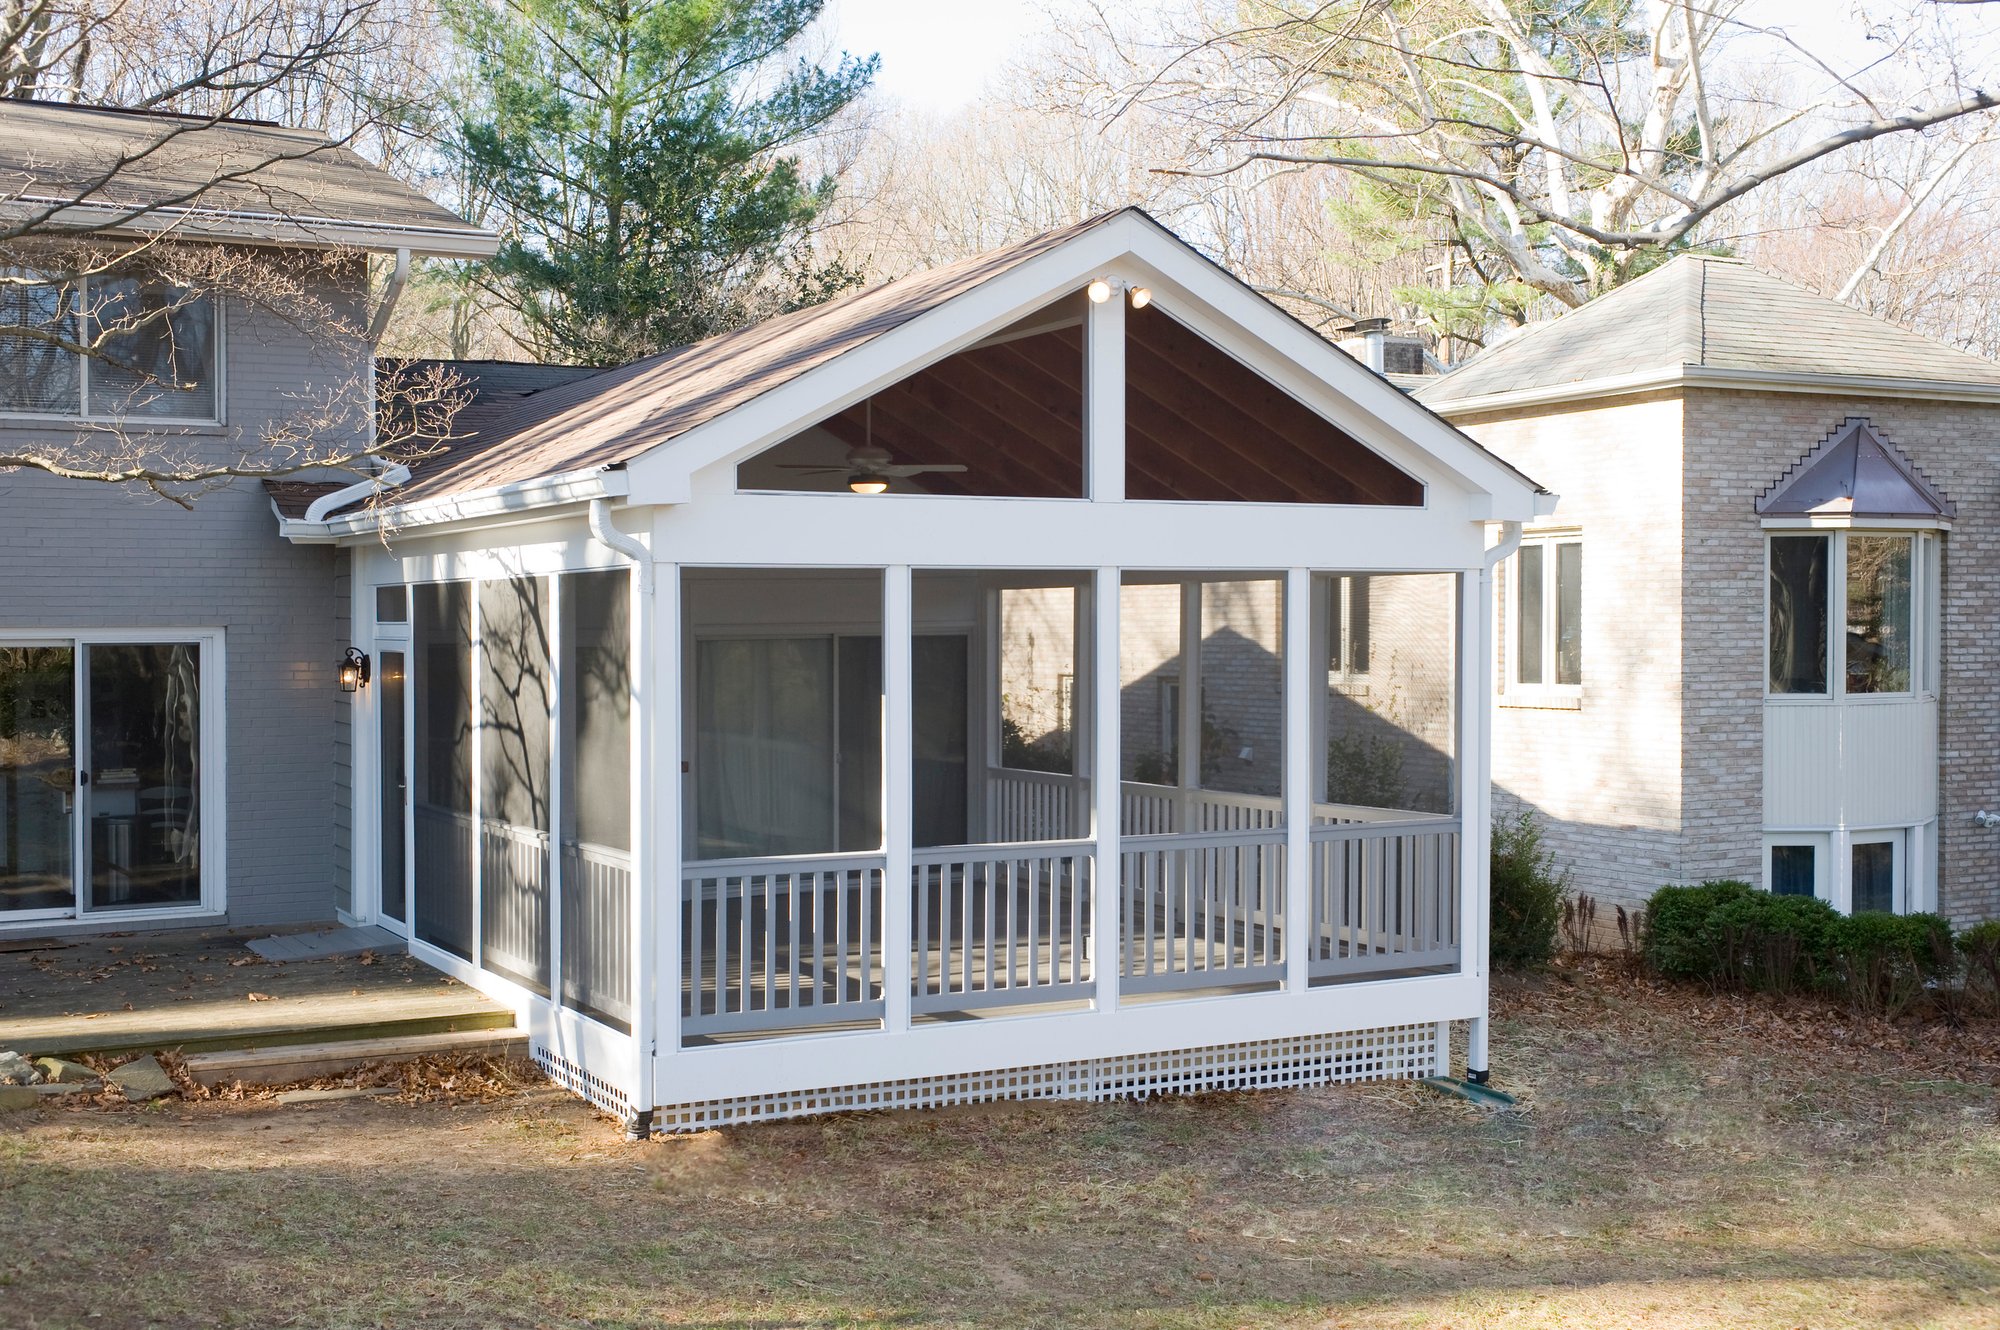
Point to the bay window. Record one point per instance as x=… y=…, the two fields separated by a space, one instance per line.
x=1869 y=583
x=106 y=347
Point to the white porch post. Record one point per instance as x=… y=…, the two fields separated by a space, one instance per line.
x=1084 y=763
x=1300 y=753
x=1104 y=399
x=656 y=825
x=557 y=630
x=898 y=788
x=1188 y=720
x=1107 y=929
x=1475 y=797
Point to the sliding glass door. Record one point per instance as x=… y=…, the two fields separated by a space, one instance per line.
x=38 y=781
x=101 y=778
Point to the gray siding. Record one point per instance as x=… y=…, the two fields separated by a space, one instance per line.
x=86 y=555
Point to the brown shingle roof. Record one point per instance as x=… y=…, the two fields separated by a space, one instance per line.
x=1716 y=313
x=615 y=416
x=243 y=171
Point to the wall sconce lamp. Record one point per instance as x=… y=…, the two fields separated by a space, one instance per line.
x=354 y=673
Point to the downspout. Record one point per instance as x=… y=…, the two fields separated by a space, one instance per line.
x=1476 y=1043
x=328 y=504
x=640 y=1126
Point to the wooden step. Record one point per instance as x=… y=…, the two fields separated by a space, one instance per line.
x=209 y=1027
x=304 y=1062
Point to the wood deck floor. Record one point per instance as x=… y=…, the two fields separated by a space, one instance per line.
x=196 y=990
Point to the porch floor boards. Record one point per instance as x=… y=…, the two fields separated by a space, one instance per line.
x=192 y=990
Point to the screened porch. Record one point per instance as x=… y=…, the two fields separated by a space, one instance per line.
x=788 y=721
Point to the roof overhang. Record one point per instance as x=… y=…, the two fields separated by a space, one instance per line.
x=524 y=500
x=1706 y=376
x=279 y=229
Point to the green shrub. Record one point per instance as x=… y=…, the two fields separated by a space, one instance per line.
x=1527 y=894
x=1681 y=939
x=1774 y=944
x=1884 y=964
x=1980 y=946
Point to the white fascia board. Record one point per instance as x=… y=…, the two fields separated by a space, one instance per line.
x=496 y=506
x=664 y=474
x=1706 y=376
x=1844 y=522
x=276 y=229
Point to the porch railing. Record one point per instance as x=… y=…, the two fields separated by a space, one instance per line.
x=1000 y=925
x=1385 y=898
x=514 y=906
x=1031 y=805
x=597 y=932
x=1202 y=910
x=779 y=944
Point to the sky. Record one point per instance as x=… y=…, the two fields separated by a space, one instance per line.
x=937 y=55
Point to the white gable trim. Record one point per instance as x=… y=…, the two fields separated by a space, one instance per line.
x=1187 y=286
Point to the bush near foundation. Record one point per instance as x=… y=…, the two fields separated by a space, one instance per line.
x=1731 y=935
x=1527 y=894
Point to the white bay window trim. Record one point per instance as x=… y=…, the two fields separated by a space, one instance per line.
x=1923 y=623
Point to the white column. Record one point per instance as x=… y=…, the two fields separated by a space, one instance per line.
x=556 y=631
x=1474 y=662
x=1300 y=756
x=656 y=815
x=1107 y=931
x=1188 y=721
x=898 y=788
x=1104 y=399
x=1083 y=710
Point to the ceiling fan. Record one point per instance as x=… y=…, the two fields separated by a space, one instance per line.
x=869 y=468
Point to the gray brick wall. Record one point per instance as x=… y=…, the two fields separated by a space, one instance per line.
x=1738 y=443
x=86 y=555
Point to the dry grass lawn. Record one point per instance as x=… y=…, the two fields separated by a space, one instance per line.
x=1682 y=1161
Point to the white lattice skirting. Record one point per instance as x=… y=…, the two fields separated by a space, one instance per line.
x=1397 y=1052
x=580 y=1082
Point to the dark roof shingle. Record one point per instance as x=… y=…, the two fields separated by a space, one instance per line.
x=1716 y=313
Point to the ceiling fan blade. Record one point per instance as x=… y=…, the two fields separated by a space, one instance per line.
x=920 y=468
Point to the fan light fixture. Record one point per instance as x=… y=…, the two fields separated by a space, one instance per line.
x=1142 y=296
x=861 y=482
x=1099 y=290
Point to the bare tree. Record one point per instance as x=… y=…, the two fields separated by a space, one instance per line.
x=1557 y=148
x=107 y=288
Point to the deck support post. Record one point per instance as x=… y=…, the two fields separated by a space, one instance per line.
x=898 y=797
x=1476 y=1069
x=1107 y=930
x=1295 y=632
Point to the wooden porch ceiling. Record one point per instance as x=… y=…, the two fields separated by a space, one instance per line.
x=1199 y=425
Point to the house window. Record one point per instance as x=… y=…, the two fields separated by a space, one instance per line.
x=1350 y=626
x=1872 y=874
x=153 y=346
x=1883 y=577
x=1547 y=634
x=1794 y=870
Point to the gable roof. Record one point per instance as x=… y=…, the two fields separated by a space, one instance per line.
x=614 y=416
x=1700 y=312
x=1855 y=472
x=235 y=179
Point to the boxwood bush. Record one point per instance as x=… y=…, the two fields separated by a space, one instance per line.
x=1732 y=935
x=1527 y=894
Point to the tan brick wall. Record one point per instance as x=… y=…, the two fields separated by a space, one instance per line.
x=1738 y=443
x=1605 y=776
